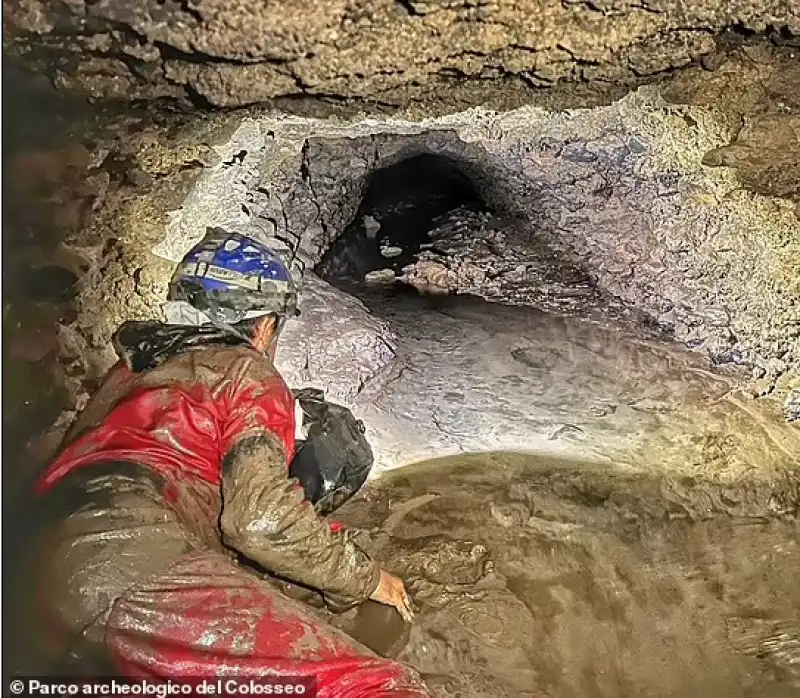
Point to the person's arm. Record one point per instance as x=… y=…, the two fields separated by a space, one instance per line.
x=267 y=519
x=265 y=515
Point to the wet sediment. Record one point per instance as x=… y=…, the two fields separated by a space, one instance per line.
x=534 y=577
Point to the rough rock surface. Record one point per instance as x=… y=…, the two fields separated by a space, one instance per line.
x=473 y=377
x=476 y=253
x=385 y=51
x=334 y=343
x=759 y=89
x=620 y=191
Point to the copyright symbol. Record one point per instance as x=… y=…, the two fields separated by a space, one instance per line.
x=17 y=687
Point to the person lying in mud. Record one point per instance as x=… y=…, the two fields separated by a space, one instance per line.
x=177 y=469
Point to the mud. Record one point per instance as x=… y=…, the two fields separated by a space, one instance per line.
x=264 y=519
x=538 y=577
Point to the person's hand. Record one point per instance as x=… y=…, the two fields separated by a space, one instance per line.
x=392 y=592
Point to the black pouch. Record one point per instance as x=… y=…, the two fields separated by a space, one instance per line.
x=334 y=461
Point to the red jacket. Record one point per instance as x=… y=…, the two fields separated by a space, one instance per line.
x=179 y=419
x=203 y=616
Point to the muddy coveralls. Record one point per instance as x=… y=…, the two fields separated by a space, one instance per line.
x=166 y=476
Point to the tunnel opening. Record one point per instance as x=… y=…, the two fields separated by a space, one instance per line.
x=425 y=227
x=401 y=204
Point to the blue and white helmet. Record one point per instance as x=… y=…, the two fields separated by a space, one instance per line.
x=229 y=277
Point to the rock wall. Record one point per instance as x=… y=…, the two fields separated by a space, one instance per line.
x=621 y=191
x=384 y=52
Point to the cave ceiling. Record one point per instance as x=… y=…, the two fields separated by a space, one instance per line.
x=446 y=54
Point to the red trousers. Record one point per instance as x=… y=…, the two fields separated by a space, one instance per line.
x=127 y=573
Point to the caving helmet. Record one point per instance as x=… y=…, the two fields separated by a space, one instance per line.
x=229 y=277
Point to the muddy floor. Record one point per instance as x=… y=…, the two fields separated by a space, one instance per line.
x=534 y=577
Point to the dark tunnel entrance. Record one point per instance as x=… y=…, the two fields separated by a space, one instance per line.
x=423 y=229
x=399 y=208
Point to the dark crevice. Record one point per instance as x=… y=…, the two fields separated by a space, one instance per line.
x=741 y=30
x=408 y=6
x=193 y=12
x=236 y=159
x=197 y=100
x=170 y=53
x=400 y=206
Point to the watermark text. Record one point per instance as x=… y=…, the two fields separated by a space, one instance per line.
x=225 y=686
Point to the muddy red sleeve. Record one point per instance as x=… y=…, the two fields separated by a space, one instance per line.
x=266 y=518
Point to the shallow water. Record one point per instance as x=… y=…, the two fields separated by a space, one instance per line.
x=536 y=577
